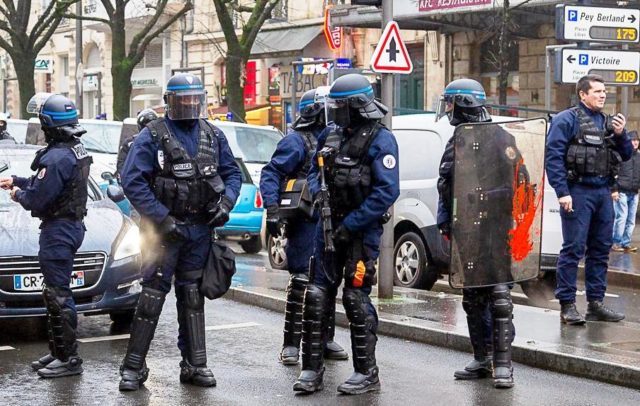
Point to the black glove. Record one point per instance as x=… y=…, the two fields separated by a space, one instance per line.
x=172 y=230
x=342 y=236
x=219 y=215
x=445 y=230
x=274 y=222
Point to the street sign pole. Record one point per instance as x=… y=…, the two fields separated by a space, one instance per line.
x=79 y=67
x=385 y=262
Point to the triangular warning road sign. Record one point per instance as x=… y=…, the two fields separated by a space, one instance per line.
x=391 y=55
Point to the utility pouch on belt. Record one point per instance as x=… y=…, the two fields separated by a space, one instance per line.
x=295 y=199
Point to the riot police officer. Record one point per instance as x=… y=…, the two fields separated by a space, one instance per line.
x=181 y=176
x=291 y=161
x=584 y=150
x=488 y=309
x=359 y=160
x=144 y=117
x=4 y=134
x=57 y=194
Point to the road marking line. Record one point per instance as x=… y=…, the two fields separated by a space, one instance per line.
x=231 y=326
x=6 y=348
x=126 y=336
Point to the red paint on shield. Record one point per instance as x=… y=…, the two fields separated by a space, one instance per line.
x=525 y=205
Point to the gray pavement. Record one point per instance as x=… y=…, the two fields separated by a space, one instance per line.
x=243 y=342
x=609 y=352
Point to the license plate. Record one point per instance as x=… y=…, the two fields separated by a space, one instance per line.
x=33 y=281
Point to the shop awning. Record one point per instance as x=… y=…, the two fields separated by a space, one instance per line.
x=284 y=41
x=147 y=97
x=451 y=16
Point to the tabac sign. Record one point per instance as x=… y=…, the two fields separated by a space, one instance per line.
x=333 y=35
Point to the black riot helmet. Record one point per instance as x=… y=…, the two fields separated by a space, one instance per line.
x=463 y=101
x=145 y=117
x=58 y=116
x=311 y=109
x=351 y=102
x=185 y=97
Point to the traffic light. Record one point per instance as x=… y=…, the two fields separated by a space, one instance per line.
x=377 y=3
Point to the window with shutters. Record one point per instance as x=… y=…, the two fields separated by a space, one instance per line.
x=152 y=57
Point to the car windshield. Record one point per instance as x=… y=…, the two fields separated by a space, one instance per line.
x=256 y=144
x=19 y=166
x=101 y=137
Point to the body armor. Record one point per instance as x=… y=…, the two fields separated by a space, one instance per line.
x=591 y=152
x=186 y=185
x=72 y=202
x=349 y=175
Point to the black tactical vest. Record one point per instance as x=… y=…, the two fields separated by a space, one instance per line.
x=310 y=143
x=590 y=152
x=349 y=172
x=72 y=202
x=187 y=186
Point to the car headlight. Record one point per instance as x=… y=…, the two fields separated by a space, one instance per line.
x=129 y=245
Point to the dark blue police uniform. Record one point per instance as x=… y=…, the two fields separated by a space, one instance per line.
x=590 y=225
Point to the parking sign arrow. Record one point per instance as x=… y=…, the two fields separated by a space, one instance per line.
x=571 y=58
x=632 y=18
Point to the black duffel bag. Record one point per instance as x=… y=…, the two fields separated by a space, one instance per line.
x=218 y=271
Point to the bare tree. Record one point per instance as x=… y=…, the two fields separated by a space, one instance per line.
x=123 y=59
x=239 y=48
x=23 y=44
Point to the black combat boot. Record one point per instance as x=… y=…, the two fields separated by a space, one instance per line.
x=474 y=305
x=570 y=315
x=62 y=323
x=597 y=311
x=43 y=361
x=313 y=320
x=363 y=327
x=134 y=371
x=193 y=367
x=333 y=350
x=502 y=312
x=293 y=319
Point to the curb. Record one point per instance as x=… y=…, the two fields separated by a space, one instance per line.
x=528 y=354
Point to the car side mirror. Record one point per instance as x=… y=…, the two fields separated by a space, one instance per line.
x=3 y=166
x=115 y=193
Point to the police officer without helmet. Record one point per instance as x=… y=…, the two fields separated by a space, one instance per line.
x=584 y=149
x=361 y=163
x=57 y=194
x=290 y=161
x=181 y=176
x=488 y=309
x=4 y=134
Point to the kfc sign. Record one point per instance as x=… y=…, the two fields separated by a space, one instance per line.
x=430 y=5
x=333 y=35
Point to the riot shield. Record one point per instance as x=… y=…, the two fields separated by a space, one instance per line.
x=498 y=185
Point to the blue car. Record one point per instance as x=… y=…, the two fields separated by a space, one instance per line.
x=106 y=269
x=245 y=220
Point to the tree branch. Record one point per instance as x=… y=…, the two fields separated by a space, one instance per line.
x=226 y=24
x=44 y=16
x=86 y=18
x=108 y=7
x=260 y=13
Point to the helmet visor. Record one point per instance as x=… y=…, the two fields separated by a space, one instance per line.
x=37 y=101
x=337 y=112
x=189 y=105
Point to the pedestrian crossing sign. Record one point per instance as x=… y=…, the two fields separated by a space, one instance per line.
x=391 y=55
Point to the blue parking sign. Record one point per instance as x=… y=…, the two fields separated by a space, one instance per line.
x=583 y=59
x=573 y=15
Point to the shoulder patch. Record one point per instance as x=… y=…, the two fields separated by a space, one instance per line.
x=80 y=151
x=42 y=173
x=510 y=153
x=389 y=161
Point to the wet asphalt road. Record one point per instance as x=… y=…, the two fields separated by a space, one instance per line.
x=243 y=342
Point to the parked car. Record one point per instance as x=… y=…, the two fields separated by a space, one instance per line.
x=106 y=275
x=245 y=220
x=17 y=129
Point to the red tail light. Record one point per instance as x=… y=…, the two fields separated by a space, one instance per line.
x=258 y=202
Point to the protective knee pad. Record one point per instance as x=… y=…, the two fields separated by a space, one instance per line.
x=363 y=326
x=61 y=323
x=475 y=304
x=293 y=309
x=191 y=308
x=502 y=311
x=144 y=326
x=313 y=332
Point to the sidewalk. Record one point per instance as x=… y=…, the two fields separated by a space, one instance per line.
x=608 y=352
